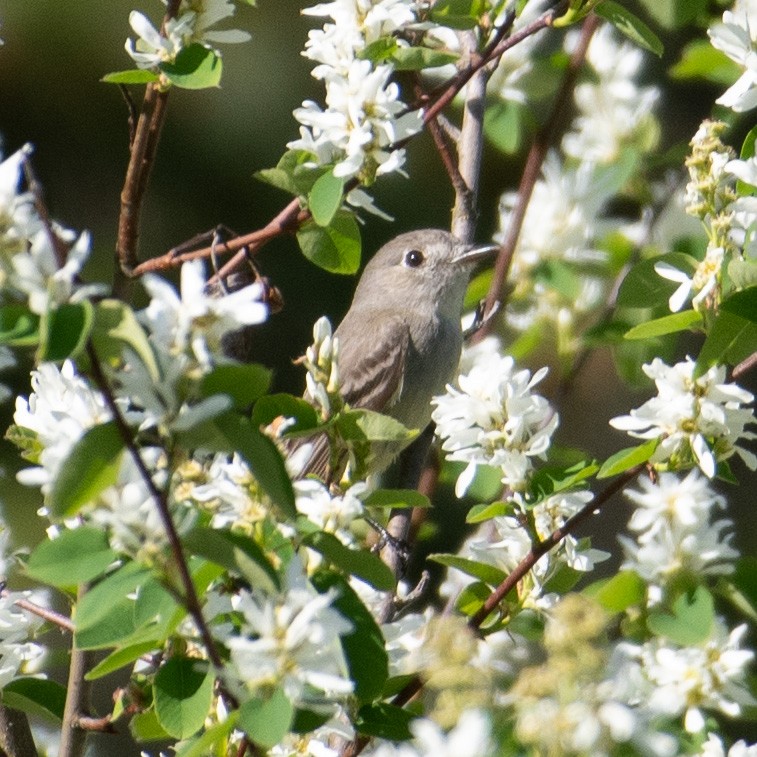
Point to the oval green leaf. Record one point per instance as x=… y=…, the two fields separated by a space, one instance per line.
x=183 y=692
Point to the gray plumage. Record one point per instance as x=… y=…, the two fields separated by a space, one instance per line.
x=400 y=341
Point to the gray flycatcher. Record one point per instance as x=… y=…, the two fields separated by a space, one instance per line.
x=400 y=341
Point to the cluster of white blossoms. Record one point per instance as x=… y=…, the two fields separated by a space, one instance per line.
x=321 y=363
x=37 y=261
x=698 y=420
x=614 y=112
x=194 y=322
x=736 y=36
x=332 y=513
x=16 y=628
x=364 y=115
x=290 y=640
x=191 y=25
x=676 y=537
x=494 y=418
x=558 y=271
x=687 y=681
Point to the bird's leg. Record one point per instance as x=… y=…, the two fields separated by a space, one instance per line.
x=480 y=318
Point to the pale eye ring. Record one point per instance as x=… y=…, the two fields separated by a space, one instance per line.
x=413 y=258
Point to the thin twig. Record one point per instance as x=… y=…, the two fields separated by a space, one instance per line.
x=43 y=612
x=142 y=149
x=532 y=170
x=190 y=598
x=745 y=366
x=16 y=738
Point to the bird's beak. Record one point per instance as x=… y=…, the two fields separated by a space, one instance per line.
x=473 y=253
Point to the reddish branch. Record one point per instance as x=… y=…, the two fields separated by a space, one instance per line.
x=536 y=156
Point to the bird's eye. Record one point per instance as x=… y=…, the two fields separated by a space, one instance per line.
x=413 y=258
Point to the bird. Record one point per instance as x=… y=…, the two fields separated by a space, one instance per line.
x=401 y=339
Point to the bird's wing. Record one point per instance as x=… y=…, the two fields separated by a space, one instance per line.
x=371 y=370
x=371 y=375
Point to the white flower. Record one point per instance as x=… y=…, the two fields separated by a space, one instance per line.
x=152 y=48
x=675 y=532
x=709 y=676
x=495 y=419
x=613 y=109
x=291 y=640
x=191 y=25
x=195 y=319
x=16 y=628
x=471 y=737
x=697 y=420
x=38 y=274
x=737 y=38
x=330 y=513
x=18 y=217
x=714 y=747
x=705 y=279
x=60 y=409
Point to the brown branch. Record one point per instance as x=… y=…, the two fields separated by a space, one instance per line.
x=532 y=171
x=143 y=146
x=73 y=738
x=51 y=616
x=16 y=738
x=438 y=136
x=292 y=216
x=744 y=366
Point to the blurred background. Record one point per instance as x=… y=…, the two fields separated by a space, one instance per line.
x=50 y=95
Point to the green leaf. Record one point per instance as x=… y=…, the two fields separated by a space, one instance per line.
x=472 y=598
x=561 y=277
x=206 y=744
x=742 y=303
x=36 y=696
x=195 y=67
x=19 y=327
x=335 y=248
x=325 y=198
x=384 y=721
x=262 y=457
x=397 y=498
x=504 y=127
x=553 y=479
x=64 y=331
x=701 y=60
x=144 y=726
x=244 y=383
x=632 y=26
x=418 y=58
x=91 y=467
x=273 y=406
x=481 y=513
x=74 y=557
x=458 y=14
x=672 y=14
x=483 y=571
x=358 y=562
x=364 y=647
x=235 y=552
x=627 y=458
x=293 y=173
x=379 y=51
x=116 y=327
x=625 y=589
x=688 y=622
x=643 y=287
x=120 y=658
x=266 y=720
x=743 y=273
x=741 y=586
x=183 y=692
x=668 y=324
x=132 y=76
x=127 y=607
x=731 y=340
x=367 y=425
